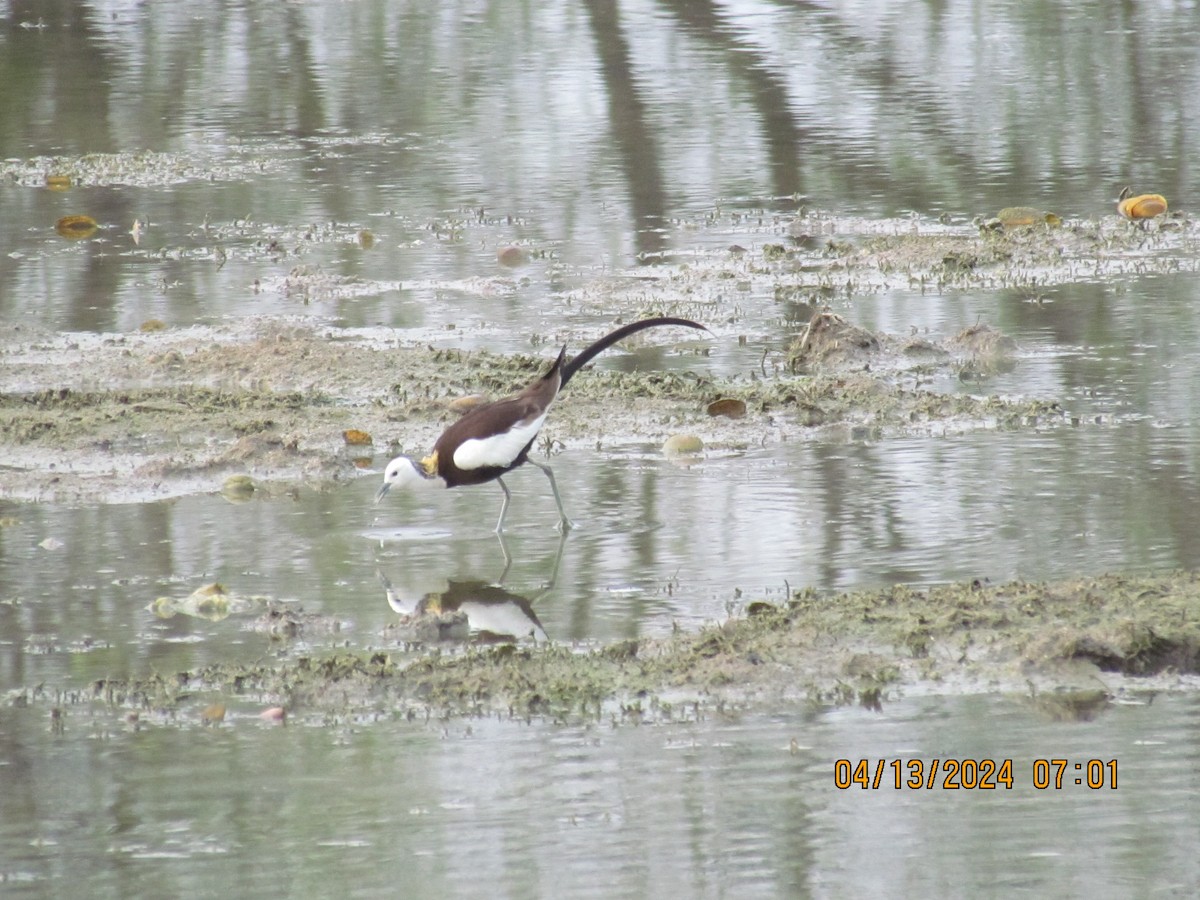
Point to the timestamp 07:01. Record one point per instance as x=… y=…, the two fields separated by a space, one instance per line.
x=972 y=774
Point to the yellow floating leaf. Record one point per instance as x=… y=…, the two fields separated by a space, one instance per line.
x=76 y=227
x=58 y=182
x=356 y=438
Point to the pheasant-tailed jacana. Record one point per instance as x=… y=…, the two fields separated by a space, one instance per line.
x=495 y=438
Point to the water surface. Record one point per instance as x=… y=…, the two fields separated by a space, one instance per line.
x=398 y=148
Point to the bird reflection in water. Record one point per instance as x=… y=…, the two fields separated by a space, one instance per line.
x=471 y=609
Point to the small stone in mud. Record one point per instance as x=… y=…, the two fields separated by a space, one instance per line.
x=682 y=445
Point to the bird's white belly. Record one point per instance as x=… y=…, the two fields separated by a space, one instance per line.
x=498 y=450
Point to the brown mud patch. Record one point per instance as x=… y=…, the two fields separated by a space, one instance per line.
x=1059 y=644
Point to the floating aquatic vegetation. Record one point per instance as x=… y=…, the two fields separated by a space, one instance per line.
x=1026 y=216
x=210 y=601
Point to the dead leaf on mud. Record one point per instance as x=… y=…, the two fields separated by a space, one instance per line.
x=728 y=407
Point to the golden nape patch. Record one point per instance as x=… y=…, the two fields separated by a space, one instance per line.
x=429 y=465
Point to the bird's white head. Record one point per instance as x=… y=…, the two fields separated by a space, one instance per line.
x=405 y=472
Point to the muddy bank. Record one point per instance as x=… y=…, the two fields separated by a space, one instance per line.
x=1070 y=647
x=164 y=413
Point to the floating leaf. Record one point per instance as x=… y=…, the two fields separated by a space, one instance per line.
x=58 y=182
x=727 y=407
x=76 y=227
x=356 y=438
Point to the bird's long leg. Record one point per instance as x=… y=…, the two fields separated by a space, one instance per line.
x=507 y=557
x=504 y=507
x=564 y=523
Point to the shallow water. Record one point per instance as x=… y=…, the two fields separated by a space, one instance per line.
x=645 y=555
x=257 y=139
x=744 y=805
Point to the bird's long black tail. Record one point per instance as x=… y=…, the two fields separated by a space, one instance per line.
x=589 y=353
